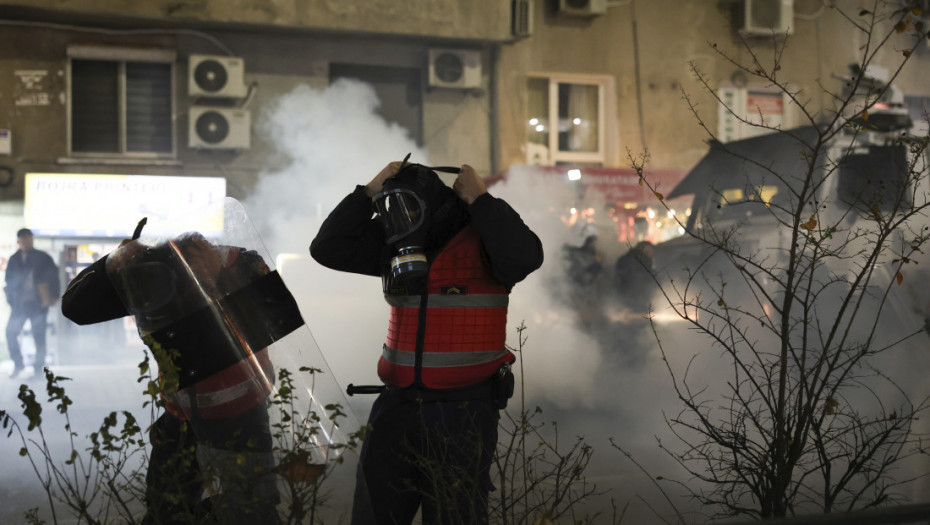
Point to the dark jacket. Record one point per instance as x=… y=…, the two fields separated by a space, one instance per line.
x=91 y=297
x=39 y=265
x=350 y=240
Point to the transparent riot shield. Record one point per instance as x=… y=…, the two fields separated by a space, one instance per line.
x=236 y=362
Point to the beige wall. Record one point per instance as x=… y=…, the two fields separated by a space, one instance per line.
x=671 y=35
x=465 y=20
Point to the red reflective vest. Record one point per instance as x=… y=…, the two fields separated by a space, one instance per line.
x=465 y=329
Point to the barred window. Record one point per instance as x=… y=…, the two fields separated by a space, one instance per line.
x=121 y=103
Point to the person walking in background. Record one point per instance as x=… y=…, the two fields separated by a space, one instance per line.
x=32 y=286
x=448 y=258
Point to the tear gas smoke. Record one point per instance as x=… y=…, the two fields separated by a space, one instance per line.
x=334 y=140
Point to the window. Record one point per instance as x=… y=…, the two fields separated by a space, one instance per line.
x=762 y=194
x=567 y=119
x=739 y=203
x=121 y=103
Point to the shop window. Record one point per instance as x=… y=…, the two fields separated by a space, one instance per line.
x=121 y=102
x=566 y=121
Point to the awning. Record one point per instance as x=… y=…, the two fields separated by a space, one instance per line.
x=753 y=162
x=615 y=184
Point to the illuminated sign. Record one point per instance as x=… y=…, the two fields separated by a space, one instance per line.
x=80 y=205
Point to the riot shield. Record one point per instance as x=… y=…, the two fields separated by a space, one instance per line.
x=236 y=362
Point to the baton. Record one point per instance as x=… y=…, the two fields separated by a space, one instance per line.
x=404 y=163
x=138 y=230
x=364 y=389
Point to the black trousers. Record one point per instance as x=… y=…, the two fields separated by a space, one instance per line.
x=175 y=479
x=173 y=483
x=38 y=321
x=434 y=454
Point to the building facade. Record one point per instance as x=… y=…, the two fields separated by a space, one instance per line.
x=183 y=89
x=479 y=80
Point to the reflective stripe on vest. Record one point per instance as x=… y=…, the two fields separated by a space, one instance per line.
x=229 y=392
x=441 y=359
x=450 y=301
x=463 y=341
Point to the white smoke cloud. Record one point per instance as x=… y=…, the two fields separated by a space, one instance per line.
x=334 y=140
x=553 y=338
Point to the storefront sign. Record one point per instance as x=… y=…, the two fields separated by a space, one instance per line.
x=79 y=205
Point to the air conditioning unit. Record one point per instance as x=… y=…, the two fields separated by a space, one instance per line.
x=583 y=7
x=216 y=76
x=219 y=128
x=454 y=68
x=765 y=17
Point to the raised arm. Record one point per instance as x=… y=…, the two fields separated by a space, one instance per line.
x=91 y=297
x=350 y=240
x=513 y=250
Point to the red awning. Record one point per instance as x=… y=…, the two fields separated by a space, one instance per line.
x=615 y=184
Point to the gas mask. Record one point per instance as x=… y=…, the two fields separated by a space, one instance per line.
x=403 y=214
x=409 y=202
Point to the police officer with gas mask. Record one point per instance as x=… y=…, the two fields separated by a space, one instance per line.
x=448 y=258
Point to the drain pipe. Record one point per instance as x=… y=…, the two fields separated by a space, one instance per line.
x=494 y=119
